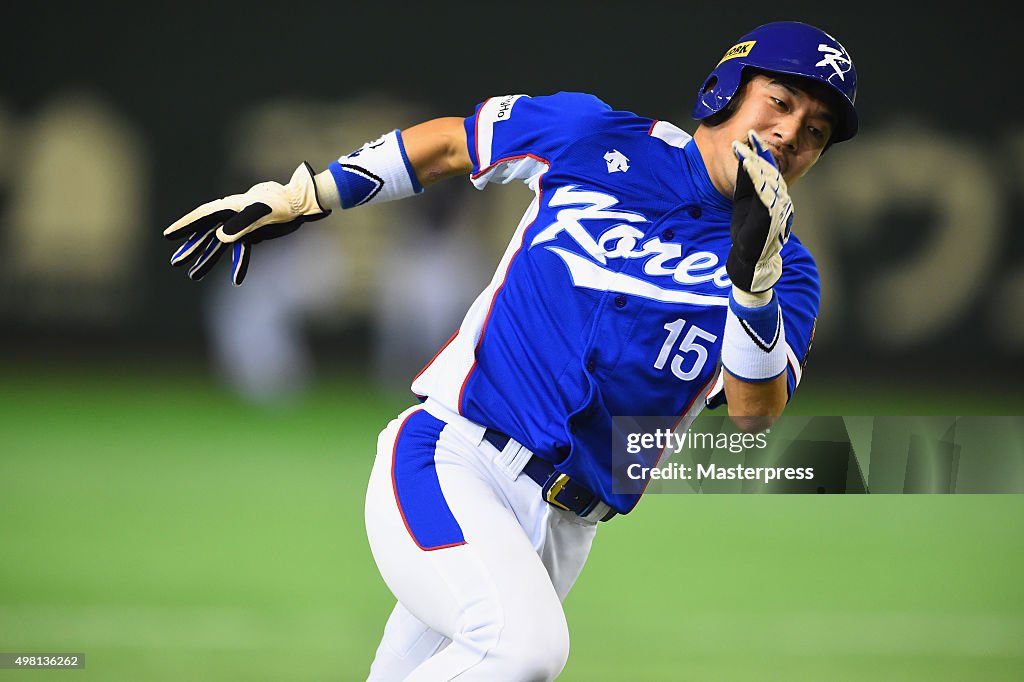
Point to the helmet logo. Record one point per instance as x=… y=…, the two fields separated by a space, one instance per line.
x=837 y=59
x=738 y=50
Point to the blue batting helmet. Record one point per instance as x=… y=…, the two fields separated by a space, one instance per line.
x=788 y=47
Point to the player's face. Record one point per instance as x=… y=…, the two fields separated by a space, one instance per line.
x=792 y=121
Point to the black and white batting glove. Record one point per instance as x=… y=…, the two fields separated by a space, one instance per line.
x=762 y=219
x=268 y=210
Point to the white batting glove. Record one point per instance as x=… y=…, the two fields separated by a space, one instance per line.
x=761 y=221
x=268 y=210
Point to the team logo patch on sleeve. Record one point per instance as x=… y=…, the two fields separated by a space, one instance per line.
x=505 y=107
x=493 y=111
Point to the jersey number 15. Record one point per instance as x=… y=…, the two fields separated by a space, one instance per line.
x=687 y=346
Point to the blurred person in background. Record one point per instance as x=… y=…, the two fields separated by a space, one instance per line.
x=261 y=336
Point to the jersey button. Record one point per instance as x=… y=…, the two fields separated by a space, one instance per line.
x=591 y=366
x=694 y=212
x=620 y=301
x=668 y=234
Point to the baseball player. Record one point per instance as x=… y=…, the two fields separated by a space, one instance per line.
x=654 y=273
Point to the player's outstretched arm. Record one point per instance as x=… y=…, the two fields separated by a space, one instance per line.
x=753 y=346
x=394 y=166
x=437 y=149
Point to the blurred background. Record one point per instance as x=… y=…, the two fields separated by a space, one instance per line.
x=182 y=465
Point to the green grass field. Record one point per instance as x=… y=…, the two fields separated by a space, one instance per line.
x=172 y=532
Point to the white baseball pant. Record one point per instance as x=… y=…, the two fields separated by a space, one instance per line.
x=478 y=561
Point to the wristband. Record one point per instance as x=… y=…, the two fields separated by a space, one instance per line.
x=754 y=341
x=378 y=171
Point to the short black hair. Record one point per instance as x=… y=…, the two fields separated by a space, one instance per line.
x=812 y=87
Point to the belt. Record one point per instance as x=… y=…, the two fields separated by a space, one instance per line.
x=557 y=488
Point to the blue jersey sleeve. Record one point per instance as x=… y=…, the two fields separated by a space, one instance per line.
x=515 y=137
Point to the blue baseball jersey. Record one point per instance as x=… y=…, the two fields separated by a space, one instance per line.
x=611 y=297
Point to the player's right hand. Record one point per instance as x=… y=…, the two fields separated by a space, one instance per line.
x=762 y=218
x=268 y=210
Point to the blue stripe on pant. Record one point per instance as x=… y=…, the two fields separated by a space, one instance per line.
x=418 y=493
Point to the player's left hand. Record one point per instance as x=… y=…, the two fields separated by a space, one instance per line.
x=267 y=211
x=762 y=218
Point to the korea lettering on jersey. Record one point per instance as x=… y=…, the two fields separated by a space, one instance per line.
x=611 y=297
